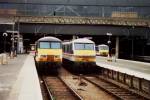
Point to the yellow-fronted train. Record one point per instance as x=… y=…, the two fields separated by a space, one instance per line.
x=102 y=50
x=48 y=55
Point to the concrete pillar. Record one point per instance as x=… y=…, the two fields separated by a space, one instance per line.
x=20 y=44
x=117 y=46
x=132 y=52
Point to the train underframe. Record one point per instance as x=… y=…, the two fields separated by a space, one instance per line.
x=80 y=67
x=48 y=67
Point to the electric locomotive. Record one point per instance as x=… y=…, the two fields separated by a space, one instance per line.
x=48 y=55
x=79 y=55
x=103 y=50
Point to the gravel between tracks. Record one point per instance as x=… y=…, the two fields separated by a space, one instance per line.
x=87 y=91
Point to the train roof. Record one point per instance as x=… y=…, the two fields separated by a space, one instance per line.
x=80 y=40
x=83 y=40
x=102 y=45
x=49 y=38
x=66 y=42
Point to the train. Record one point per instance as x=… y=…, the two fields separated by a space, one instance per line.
x=102 y=50
x=79 y=55
x=48 y=54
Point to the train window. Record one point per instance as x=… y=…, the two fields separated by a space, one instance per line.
x=65 y=48
x=103 y=47
x=89 y=46
x=71 y=51
x=84 y=46
x=96 y=48
x=69 y=48
x=44 y=45
x=55 y=45
x=79 y=46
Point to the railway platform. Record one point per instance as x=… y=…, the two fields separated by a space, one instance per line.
x=133 y=75
x=135 y=68
x=19 y=79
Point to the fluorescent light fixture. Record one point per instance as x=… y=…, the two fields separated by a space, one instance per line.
x=109 y=34
x=10 y=31
x=7 y=23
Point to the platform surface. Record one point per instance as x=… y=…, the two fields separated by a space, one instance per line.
x=19 y=80
x=135 y=68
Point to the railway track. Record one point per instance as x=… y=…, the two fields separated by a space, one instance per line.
x=114 y=90
x=44 y=90
x=58 y=90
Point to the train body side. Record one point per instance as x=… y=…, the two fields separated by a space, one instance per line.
x=79 y=59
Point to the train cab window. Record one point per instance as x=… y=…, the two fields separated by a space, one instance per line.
x=89 y=46
x=44 y=45
x=84 y=46
x=79 y=46
x=103 y=47
x=52 y=45
x=55 y=45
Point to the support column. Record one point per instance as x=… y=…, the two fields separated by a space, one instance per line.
x=132 y=52
x=117 y=47
x=13 y=43
x=20 y=44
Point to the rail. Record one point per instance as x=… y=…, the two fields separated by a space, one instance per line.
x=75 y=93
x=53 y=92
x=115 y=90
x=49 y=92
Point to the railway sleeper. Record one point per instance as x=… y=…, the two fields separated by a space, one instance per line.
x=109 y=88
x=141 y=93
x=129 y=98
x=116 y=91
x=125 y=94
x=61 y=92
x=114 y=88
x=59 y=89
x=135 y=97
x=119 y=92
